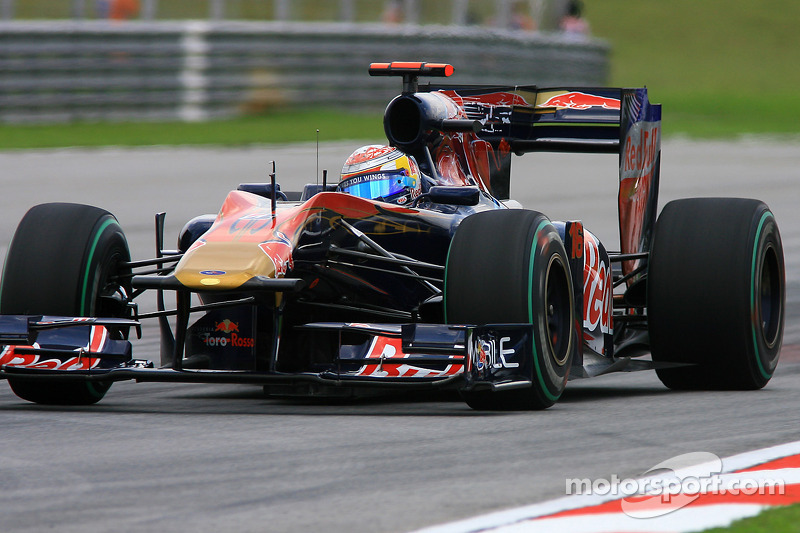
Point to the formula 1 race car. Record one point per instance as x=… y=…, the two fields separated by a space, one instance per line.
x=414 y=271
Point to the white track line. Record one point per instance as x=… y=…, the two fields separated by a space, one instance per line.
x=686 y=519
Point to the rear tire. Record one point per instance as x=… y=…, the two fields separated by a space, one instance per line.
x=716 y=293
x=510 y=266
x=62 y=259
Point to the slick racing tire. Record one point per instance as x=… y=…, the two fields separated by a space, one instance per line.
x=510 y=266
x=62 y=260
x=716 y=293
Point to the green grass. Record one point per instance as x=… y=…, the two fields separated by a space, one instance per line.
x=288 y=126
x=777 y=520
x=703 y=115
x=720 y=68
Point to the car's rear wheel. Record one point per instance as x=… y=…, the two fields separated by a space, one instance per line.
x=510 y=266
x=65 y=260
x=716 y=293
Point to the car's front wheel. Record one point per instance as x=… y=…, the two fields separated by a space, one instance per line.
x=510 y=266
x=65 y=260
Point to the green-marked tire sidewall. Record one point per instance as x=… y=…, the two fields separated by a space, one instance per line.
x=59 y=259
x=496 y=272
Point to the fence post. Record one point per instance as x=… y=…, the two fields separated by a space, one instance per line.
x=460 y=8
x=7 y=10
x=410 y=8
x=551 y=13
x=282 y=10
x=216 y=9
x=193 y=76
x=347 y=11
x=78 y=9
x=503 y=17
x=149 y=9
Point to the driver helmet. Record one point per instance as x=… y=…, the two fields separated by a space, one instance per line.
x=381 y=172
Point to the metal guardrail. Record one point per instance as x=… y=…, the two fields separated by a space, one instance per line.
x=195 y=70
x=501 y=13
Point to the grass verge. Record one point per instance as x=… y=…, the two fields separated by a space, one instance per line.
x=725 y=116
x=289 y=126
x=721 y=68
x=777 y=520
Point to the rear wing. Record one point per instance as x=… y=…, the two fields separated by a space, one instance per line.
x=492 y=122
x=531 y=119
x=523 y=119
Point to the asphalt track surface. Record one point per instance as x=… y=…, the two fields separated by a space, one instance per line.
x=223 y=458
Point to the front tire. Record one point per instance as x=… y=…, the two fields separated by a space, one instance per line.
x=510 y=266
x=716 y=293
x=64 y=260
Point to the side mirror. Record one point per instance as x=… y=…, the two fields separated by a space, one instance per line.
x=262 y=189
x=453 y=195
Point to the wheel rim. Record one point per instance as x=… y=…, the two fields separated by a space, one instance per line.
x=558 y=310
x=770 y=301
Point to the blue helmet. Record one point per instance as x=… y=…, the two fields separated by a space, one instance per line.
x=379 y=172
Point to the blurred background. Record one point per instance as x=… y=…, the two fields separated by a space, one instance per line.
x=154 y=68
x=171 y=59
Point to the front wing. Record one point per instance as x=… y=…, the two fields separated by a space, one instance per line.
x=409 y=356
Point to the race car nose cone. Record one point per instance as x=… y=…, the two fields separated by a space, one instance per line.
x=199 y=268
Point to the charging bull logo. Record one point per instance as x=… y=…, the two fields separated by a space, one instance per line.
x=279 y=250
x=226 y=326
x=579 y=100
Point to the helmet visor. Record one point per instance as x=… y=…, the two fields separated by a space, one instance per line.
x=377 y=185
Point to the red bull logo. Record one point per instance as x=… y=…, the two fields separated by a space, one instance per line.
x=579 y=100
x=226 y=326
x=229 y=336
x=280 y=253
x=502 y=99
